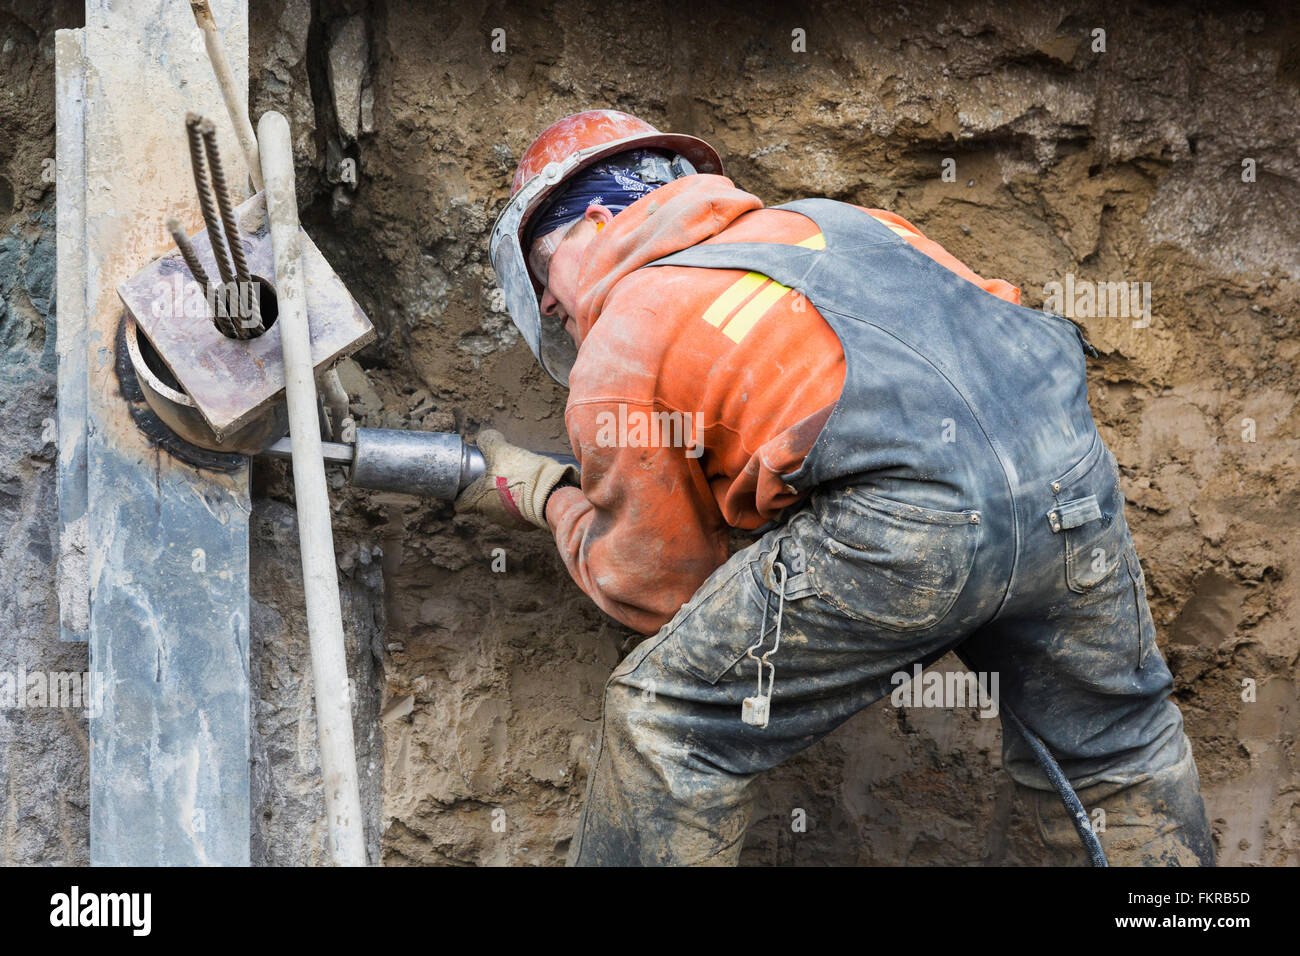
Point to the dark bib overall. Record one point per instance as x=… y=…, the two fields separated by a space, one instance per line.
x=953 y=399
x=960 y=499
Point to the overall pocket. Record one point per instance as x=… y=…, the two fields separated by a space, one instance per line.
x=711 y=633
x=1088 y=514
x=894 y=565
x=1146 y=626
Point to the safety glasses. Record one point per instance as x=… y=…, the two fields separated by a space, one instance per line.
x=539 y=256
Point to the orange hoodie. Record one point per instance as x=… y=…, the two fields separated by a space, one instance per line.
x=693 y=392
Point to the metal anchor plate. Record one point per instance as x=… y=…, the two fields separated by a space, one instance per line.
x=232 y=380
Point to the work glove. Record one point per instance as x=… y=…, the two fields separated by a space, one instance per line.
x=514 y=489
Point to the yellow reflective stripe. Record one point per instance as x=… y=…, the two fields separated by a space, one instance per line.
x=743 y=288
x=905 y=233
x=739 y=291
x=738 y=327
x=747 y=317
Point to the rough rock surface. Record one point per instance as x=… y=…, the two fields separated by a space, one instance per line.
x=1122 y=165
x=289 y=827
x=44 y=771
x=43 y=750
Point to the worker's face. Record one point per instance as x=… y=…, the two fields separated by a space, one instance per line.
x=561 y=268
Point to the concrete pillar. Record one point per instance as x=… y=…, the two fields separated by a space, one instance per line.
x=167 y=544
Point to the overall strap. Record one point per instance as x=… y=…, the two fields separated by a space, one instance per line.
x=845 y=229
x=843 y=225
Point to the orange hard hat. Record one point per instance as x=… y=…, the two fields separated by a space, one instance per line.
x=565 y=148
x=595 y=128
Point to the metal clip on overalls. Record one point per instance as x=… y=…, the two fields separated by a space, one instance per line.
x=757 y=709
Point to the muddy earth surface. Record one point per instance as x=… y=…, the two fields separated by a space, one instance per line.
x=1162 y=151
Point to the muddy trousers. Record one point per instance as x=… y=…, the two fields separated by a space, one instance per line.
x=872 y=587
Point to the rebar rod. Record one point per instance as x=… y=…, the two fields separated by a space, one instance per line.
x=224 y=324
x=253 y=325
x=189 y=255
x=223 y=321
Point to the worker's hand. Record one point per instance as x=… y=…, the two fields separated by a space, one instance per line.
x=514 y=489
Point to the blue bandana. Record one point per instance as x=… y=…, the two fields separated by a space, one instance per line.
x=614 y=183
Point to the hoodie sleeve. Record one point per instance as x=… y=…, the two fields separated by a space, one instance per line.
x=643 y=533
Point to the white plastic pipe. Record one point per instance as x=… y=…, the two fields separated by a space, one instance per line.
x=231 y=91
x=329 y=669
x=336 y=400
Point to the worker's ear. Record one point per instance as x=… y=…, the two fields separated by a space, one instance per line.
x=598 y=215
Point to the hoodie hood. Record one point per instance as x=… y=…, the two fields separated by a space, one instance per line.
x=673 y=217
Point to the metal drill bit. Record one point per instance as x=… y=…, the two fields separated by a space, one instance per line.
x=216 y=237
x=233 y=240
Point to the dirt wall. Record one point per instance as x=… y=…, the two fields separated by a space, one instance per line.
x=1122 y=165
x=1117 y=165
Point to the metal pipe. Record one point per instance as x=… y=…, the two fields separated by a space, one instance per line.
x=332 y=453
x=230 y=90
x=427 y=464
x=320 y=574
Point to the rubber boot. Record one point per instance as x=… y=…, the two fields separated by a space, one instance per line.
x=1158 y=820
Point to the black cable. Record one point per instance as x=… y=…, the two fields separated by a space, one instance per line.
x=1073 y=806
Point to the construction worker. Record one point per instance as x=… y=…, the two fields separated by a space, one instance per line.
x=915 y=448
